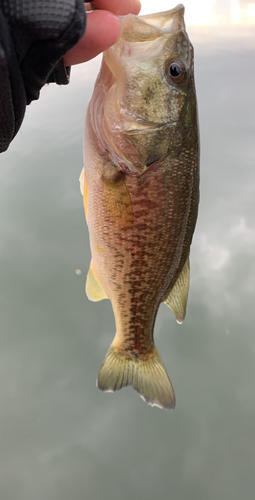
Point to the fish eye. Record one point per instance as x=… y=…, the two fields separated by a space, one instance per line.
x=176 y=71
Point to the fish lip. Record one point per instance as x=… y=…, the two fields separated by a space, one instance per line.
x=179 y=7
x=150 y=18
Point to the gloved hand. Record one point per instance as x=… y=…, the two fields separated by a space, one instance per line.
x=34 y=36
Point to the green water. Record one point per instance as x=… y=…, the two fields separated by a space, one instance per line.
x=61 y=438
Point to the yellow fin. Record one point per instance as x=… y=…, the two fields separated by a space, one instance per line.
x=148 y=377
x=81 y=181
x=94 y=288
x=177 y=298
x=84 y=191
x=118 y=204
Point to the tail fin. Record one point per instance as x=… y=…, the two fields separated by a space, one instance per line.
x=148 y=378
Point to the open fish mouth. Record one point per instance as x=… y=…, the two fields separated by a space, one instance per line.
x=146 y=26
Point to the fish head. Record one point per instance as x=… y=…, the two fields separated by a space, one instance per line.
x=145 y=91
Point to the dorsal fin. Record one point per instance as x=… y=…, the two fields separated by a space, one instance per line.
x=177 y=298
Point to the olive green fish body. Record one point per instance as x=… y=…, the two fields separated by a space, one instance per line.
x=140 y=188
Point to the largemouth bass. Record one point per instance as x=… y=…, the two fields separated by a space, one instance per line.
x=140 y=186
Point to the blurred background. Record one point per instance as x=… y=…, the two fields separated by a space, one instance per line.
x=61 y=438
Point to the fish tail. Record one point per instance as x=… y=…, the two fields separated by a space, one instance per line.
x=148 y=377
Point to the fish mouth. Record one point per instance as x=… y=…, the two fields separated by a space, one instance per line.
x=152 y=24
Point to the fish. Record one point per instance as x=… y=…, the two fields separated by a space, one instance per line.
x=140 y=186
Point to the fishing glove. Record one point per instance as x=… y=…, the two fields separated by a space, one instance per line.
x=34 y=36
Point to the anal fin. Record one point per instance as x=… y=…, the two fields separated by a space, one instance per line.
x=81 y=181
x=94 y=289
x=177 y=298
x=84 y=191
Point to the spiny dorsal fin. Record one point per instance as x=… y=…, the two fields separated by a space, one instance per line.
x=94 y=289
x=147 y=376
x=177 y=298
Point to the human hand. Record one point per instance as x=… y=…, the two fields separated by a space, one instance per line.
x=102 y=29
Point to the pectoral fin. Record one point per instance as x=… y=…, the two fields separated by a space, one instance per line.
x=177 y=298
x=94 y=289
x=118 y=204
x=84 y=190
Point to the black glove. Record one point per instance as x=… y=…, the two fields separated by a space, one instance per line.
x=34 y=36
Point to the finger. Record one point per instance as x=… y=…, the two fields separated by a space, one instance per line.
x=119 y=7
x=102 y=30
